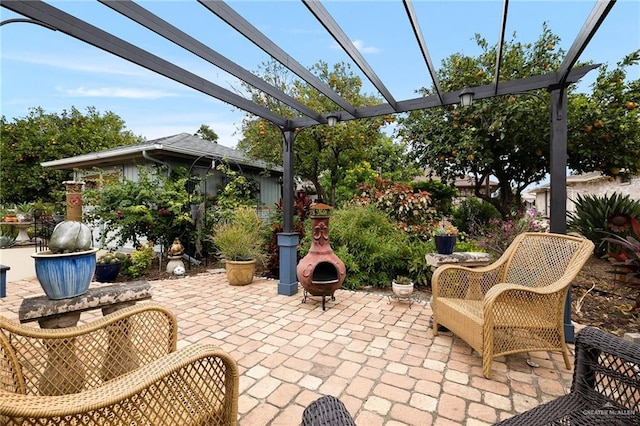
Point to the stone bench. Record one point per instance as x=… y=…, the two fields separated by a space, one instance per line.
x=66 y=312
x=469 y=259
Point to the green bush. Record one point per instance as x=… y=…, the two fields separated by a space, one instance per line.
x=473 y=213
x=441 y=195
x=370 y=244
x=139 y=262
x=593 y=212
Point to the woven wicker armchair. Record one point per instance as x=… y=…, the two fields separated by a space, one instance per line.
x=605 y=388
x=515 y=304
x=120 y=369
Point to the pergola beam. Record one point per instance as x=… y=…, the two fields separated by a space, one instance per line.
x=545 y=81
x=94 y=36
x=327 y=21
x=164 y=29
x=237 y=22
x=588 y=30
x=503 y=28
x=415 y=25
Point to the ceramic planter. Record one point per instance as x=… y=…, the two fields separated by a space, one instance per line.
x=240 y=272
x=445 y=243
x=108 y=273
x=402 y=290
x=65 y=275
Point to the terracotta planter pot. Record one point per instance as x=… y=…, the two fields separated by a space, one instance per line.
x=240 y=272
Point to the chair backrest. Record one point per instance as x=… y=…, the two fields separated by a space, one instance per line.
x=538 y=259
x=38 y=361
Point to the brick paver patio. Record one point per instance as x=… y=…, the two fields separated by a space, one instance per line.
x=378 y=357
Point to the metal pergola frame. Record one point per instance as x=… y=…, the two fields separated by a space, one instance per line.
x=556 y=83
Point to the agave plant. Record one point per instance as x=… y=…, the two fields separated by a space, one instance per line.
x=593 y=216
x=626 y=255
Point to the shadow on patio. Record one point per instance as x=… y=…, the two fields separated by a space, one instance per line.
x=377 y=356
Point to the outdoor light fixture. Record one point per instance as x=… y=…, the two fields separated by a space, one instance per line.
x=466 y=97
x=332 y=119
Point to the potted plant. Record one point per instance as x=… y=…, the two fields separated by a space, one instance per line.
x=402 y=287
x=445 y=237
x=239 y=240
x=108 y=266
x=66 y=269
x=24 y=212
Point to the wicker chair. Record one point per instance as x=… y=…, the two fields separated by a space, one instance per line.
x=515 y=304
x=120 y=369
x=605 y=388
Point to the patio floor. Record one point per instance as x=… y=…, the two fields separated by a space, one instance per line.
x=378 y=357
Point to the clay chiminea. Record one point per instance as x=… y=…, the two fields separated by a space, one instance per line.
x=320 y=272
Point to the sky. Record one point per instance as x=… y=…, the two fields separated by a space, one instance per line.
x=48 y=69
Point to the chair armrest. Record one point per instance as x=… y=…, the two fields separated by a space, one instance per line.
x=455 y=281
x=72 y=359
x=505 y=302
x=608 y=365
x=195 y=385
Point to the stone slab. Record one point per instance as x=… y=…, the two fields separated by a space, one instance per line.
x=632 y=337
x=41 y=307
x=462 y=258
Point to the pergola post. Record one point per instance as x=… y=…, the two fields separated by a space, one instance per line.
x=288 y=240
x=558 y=183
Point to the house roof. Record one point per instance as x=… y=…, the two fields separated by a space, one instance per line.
x=573 y=179
x=182 y=145
x=460 y=182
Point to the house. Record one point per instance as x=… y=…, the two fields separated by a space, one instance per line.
x=198 y=155
x=464 y=184
x=594 y=184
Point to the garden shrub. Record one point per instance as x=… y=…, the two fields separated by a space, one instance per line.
x=497 y=234
x=473 y=213
x=593 y=213
x=139 y=262
x=441 y=195
x=411 y=210
x=370 y=244
x=154 y=207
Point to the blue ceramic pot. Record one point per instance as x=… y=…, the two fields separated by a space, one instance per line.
x=108 y=273
x=65 y=275
x=445 y=243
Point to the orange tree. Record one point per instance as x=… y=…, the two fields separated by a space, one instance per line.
x=507 y=138
x=323 y=151
x=605 y=126
x=26 y=142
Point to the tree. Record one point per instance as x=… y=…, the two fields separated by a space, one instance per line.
x=207 y=133
x=605 y=129
x=26 y=142
x=322 y=153
x=506 y=137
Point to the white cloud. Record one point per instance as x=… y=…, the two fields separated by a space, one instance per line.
x=71 y=63
x=359 y=44
x=117 y=92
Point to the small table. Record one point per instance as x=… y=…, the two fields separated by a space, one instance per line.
x=470 y=259
x=65 y=313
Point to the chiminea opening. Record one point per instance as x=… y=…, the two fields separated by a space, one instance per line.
x=324 y=273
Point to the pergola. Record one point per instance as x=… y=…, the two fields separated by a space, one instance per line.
x=556 y=83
